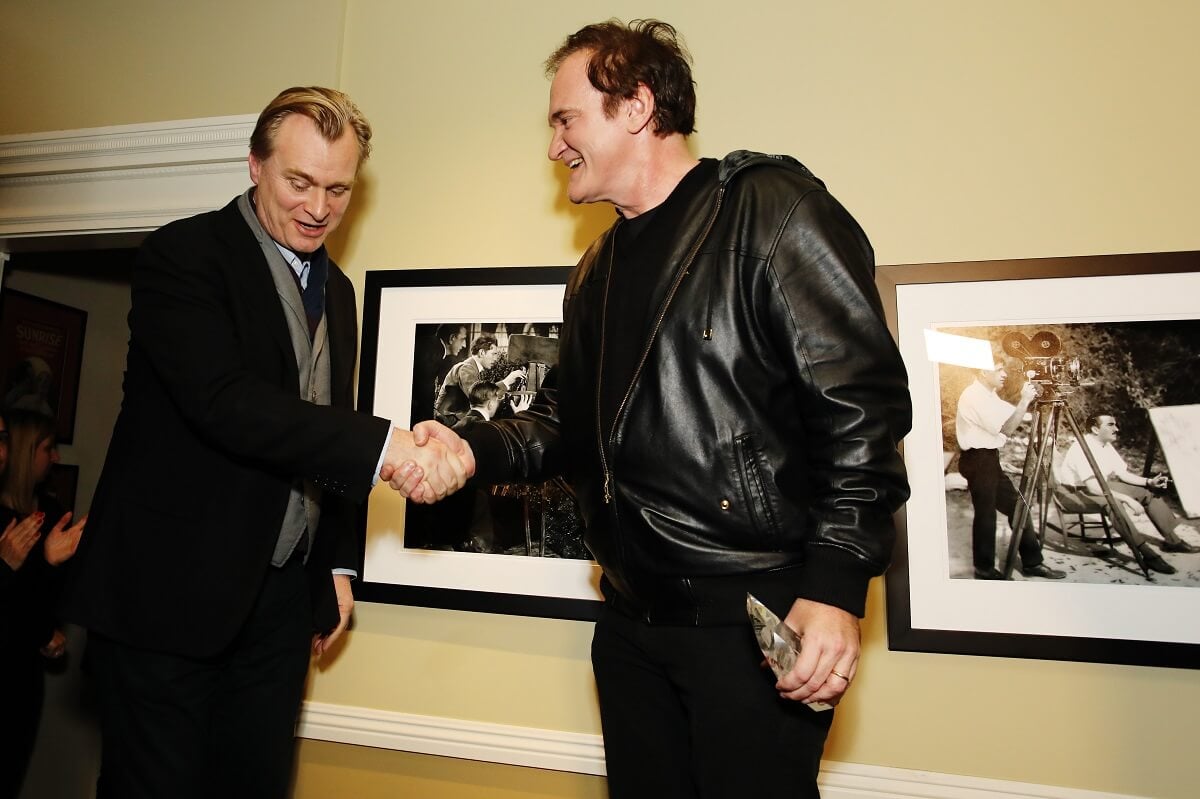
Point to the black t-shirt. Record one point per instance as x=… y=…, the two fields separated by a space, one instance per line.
x=638 y=285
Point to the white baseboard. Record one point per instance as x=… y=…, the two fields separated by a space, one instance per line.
x=584 y=754
x=435 y=735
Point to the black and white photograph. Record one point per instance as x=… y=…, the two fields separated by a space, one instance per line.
x=464 y=371
x=1075 y=424
x=459 y=345
x=1103 y=380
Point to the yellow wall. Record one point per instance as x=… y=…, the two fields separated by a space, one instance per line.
x=953 y=130
x=73 y=63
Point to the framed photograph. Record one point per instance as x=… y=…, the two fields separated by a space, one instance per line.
x=447 y=344
x=1102 y=337
x=41 y=353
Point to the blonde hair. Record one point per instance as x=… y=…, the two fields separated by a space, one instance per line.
x=26 y=431
x=332 y=112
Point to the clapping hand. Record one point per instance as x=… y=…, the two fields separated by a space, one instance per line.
x=62 y=541
x=18 y=539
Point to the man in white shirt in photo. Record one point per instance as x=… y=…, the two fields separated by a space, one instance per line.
x=983 y=424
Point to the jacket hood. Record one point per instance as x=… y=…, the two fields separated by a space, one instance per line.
x=740 y=160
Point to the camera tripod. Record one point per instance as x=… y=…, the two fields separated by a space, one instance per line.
x=1049 y=409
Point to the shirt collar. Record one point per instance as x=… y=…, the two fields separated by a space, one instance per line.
x=301 y=268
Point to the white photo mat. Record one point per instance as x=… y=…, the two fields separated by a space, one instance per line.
x=386 y=559
x=937 y=602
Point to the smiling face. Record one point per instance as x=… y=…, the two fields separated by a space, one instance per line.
x=303 y=186
x=596 y=148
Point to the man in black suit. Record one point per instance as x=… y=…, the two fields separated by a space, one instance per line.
x=226 y=501
x=433 y=357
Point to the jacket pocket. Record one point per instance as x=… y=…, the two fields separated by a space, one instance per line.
x=757 y=486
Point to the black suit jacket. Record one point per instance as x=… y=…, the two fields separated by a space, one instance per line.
x=469 y=417
x=211 y=434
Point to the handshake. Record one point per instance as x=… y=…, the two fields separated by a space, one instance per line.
x=428 y=463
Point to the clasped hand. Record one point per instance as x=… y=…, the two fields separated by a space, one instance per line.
x=828 y=660
x=428 y=463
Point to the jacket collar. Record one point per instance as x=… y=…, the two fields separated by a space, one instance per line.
x=739 y=160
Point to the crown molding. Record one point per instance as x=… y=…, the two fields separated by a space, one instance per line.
x=207 y=140
x=119 y=179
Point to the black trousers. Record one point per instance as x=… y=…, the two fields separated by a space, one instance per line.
x=991 y=491
x=690 y=712
x=182 y=727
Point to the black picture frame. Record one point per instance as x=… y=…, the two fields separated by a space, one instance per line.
x=396 y=305
x=1135 y=624
x=41 y=357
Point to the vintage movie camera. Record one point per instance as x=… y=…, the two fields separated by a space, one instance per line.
x=1053 y=373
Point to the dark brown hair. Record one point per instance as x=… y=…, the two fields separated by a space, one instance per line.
x=646 y=51
x=484 y=392
x=483 y=343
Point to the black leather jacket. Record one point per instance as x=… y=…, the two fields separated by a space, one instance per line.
x=757 y=440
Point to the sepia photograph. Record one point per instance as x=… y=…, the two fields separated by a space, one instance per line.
x=1073 y=421
x=1094 y=387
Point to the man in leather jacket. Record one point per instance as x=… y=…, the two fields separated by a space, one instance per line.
x=727 y=408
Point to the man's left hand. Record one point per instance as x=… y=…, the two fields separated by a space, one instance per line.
x=345 y=602
x=828 y=661
x=1131 y=505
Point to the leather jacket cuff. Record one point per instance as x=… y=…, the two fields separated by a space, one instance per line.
x=490 y=451
x=834 y=576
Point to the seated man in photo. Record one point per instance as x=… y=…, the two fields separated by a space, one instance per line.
x=1133 y=491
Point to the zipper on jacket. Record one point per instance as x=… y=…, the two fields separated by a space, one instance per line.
x=612 y=248
x=687 y=264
